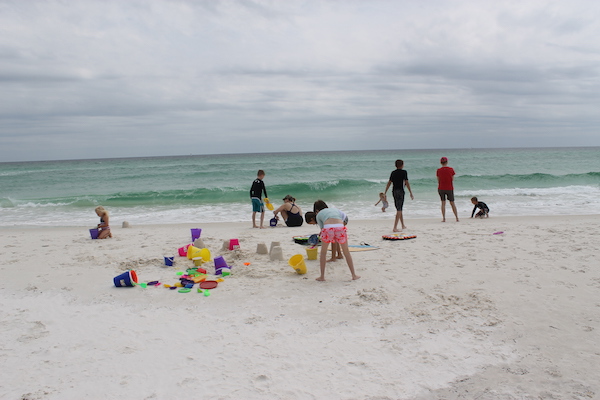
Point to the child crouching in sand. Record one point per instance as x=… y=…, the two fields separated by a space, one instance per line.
x=333 y=230
x=484 y=210
x=103 y=226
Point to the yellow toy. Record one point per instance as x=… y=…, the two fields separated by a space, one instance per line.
x=268 y=204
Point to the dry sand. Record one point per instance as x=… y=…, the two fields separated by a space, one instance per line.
x=457 y=313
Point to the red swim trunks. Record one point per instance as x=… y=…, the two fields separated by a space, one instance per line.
x=335 y=234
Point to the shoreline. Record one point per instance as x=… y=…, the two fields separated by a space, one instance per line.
x=389 y=219
x=455 y=313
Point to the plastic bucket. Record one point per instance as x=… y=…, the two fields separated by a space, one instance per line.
x=205 y=254
x=94 y=233
x=234 y=244
x=183 y=250
x=128 y=278
x=220 y=263
x=195 y=233
x=311 y=253
x=297 y=262
x=169 y=261
x=192 y=252
x=273 y=222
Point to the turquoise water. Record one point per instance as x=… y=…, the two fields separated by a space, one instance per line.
x=213 y=188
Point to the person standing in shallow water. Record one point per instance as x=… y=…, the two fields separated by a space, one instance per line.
x=399 y=179
x=445 y=177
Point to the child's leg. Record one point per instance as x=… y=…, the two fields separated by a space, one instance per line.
x=346 y=251
x=336 y=251
x=254 y=219
x=262 y=219
x=332 y=252
x=323 y=260
x=454 y=210
x=443 y=210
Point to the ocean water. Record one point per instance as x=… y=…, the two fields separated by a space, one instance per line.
x=215 y=188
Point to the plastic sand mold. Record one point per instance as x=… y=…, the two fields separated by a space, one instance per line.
x=398 y=236
x=208 y=284
x=269 y=205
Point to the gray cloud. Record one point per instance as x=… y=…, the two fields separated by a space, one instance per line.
x=108 y=79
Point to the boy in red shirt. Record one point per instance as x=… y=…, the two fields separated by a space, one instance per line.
x=445 y=177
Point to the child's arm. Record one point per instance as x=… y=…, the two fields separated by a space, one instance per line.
x=387 y=187
x=474 y=209
x=378 y=202
x=409 y=190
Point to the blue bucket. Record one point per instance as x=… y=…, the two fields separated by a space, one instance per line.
x=128 y=278
x=94 y=233
x=169 y=261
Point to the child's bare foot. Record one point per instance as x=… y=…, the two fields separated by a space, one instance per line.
x=444 y=220
x=403 y=227
x=262 y=227
x=355 y=277
x=321 y=278
x=331 y=260
x=397 y=230
x=340 y=257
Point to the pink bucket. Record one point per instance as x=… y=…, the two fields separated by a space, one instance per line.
x=234 y=244
x=183 y=250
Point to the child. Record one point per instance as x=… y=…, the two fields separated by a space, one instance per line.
x=256 y=191
x=483 y=208
x=399 y=180
x=445 y=177
x=336 y=250
x=103 y=227
x=383 y=201
x=333 y=230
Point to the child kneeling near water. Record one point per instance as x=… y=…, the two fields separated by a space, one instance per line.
x=333 y=230
x=483 y=208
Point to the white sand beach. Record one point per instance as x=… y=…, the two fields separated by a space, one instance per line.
x=457 y=313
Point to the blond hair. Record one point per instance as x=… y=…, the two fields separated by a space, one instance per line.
x=101 y=210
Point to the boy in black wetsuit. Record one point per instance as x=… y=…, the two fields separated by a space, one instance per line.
x=483 y=208
x=256 y=191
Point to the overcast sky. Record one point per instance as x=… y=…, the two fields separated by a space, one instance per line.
x=95 y=79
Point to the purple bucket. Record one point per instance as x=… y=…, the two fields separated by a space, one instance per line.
x=94 y=233
x=196 y=233
x=220 y=263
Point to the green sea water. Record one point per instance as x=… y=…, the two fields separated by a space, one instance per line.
x=213 y=188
